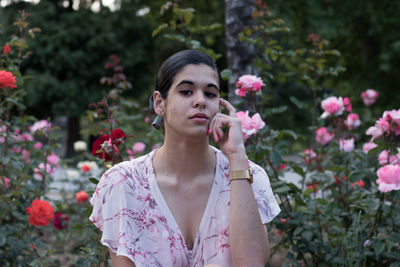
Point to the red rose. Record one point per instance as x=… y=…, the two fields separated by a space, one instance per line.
x=81 y=196
x=359 y=183
x=41 y=212
x=85 y=168
x=118 y=136
x=7 y=79
x=60 y=221
x=314 y=187
x=97 y=149
x=6 y=50
x=283 y=220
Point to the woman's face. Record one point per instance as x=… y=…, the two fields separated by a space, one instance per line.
x=192 y=101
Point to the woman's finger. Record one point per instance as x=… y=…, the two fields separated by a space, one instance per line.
x=231 y=110
x=218 y=128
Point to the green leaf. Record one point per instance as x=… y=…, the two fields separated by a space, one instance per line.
x=297 y=103
x=307 y=235
x=158 y=29
x=276 y=110
x=194 y=44
x=274 y=55
x=3 y=239
x=226 y=74
x=378 y=247
x=175 y=37
x=288 y=133
x=298 y=231
x=291 y=257
x=276 y=158
x=93 y=180
x=282 y=189
x=298 y=170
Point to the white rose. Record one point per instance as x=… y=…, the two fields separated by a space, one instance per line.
x=80 y=146
x=72 y=174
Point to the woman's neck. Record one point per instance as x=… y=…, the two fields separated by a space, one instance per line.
x=185 y=158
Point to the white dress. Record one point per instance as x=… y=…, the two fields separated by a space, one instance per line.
x=129 y=209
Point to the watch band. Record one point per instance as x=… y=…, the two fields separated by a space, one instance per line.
x=241 y=175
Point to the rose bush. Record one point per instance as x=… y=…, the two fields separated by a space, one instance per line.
x=339 y=205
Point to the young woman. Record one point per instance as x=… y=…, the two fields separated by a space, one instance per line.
x=188 y=203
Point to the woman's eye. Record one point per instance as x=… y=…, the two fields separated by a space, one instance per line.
x=186 y=92
x=210 y=95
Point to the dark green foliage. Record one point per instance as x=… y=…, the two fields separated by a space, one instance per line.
x=71 y=50
x=365 y=32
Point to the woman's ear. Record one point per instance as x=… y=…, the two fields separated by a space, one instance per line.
x=158 y=103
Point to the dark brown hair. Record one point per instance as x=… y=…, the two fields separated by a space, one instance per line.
x=176 y=63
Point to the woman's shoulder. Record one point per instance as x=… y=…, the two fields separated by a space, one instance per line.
x=135 y=170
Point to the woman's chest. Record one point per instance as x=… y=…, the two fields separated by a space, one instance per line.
x=187 y=204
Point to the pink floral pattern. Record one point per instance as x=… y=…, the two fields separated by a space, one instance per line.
x=136 y=222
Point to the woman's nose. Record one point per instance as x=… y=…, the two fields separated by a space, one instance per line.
x=200 y=100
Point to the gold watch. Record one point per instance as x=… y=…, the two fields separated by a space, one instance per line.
x=241 y=175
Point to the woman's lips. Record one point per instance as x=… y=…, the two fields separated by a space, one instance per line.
x=199 y=117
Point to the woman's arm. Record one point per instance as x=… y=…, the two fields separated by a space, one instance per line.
x=248 y=237
x=120 y=261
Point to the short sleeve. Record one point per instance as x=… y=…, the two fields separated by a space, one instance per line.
x=115 y=213
x=266 y=203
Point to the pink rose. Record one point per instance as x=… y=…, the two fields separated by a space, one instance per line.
x=374 y=131
x=368 y=146
x=332 y=106
x=322 y=136
x=247 y=83
x=309 y=155
x=388 y=178
x=26 y=137
x=6 y=182
x=16 y=150
x=42 y=169
x=369 y=96
x=26 y=155
x=383 y=124
x=347 y=104
x=346 y=145
x=250 y=125
x=53 y=159
x=42 y=125
x=38 y=145
x=138 y=147
x=385 y=158
x=352 y=121
x=392 y=115
x=240 y=92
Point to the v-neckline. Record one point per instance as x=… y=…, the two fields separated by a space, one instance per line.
x=160 y=200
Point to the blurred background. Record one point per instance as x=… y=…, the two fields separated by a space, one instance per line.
x=77 y=37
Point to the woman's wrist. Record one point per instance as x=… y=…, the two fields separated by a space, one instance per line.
x=238 y=161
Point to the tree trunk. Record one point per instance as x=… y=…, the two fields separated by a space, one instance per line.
x=73 y=135
x=240 y=55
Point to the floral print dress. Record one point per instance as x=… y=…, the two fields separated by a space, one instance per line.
x=135 y=221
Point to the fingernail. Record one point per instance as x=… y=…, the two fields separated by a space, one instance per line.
x=209 y=130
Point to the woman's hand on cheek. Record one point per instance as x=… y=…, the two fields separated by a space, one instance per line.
x=230 y=141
